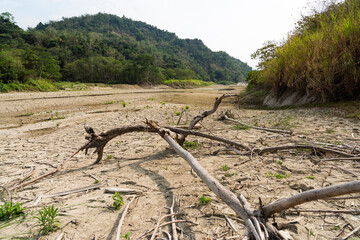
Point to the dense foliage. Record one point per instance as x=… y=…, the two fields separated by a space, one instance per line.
x=320 y=58
x=108 y=49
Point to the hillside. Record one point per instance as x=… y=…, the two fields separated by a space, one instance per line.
x=109 y=49
x=320 y=58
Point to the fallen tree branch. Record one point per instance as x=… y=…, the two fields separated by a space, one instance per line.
x=311 y=195
x=225 y=117
x=340 y=159
x=209 y=112
x=351 y=233
x=76 y=190
x=158 y=224
x=99 y=141
x=212 y=137
x=122 y=190
x=118 y=232
x=288 y=147
x=323 y=211
x=173 y=225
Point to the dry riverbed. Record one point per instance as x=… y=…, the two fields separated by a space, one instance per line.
x=40 y=130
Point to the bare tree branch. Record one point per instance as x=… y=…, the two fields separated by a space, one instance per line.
x=316 y=148
x=311 y=195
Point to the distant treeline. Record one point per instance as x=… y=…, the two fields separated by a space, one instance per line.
x=321 y=57
x=105 y=48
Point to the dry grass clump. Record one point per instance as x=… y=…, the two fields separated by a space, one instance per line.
x=320 y=58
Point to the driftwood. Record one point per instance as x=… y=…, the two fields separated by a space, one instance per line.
x=77 y=190
x=158 y=224
x=173 y=225
x=122 y=190
x=308 y=147
x=341 y=159
x=351 y=233
x=323 y=211
x=311 y=195
x=226 y=117
x=99 y=141
x=118 y=232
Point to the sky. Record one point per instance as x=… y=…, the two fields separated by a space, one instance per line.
x=237 y=27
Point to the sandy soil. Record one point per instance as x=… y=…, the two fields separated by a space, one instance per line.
x=40 y=130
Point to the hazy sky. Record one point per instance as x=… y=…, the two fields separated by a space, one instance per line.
x=238 y=27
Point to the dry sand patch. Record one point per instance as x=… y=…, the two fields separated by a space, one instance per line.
x=144 y=162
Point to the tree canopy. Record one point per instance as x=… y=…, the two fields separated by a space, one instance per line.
x=110 y=49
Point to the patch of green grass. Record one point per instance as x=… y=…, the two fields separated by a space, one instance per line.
x=310 y=177
x=241 y=127
x=276 y=175
x=124 y=104
x=10 y=210
x=118 y=200
x=187 y=107
x=284 y=122
x=177 y=113
x=148 y=107
x=279 y=162
x=225 y=168
x=204 y=200
x=109 y=156
x=152 y=99
x=162 y=103
x=126 y=236
x=188 y=83
x=48 y=220
x=191 y=144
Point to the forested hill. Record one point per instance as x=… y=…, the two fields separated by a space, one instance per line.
x=110 y=49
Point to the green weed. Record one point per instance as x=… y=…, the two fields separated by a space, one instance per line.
x=204 y=200
x=177 y=113
x=118 y=200
x=109 y=156
x=191 y=144
x=126 y=236
x=225 y=168
x=10 y=210
x=124 y=104
x=310 y=177
x=279 y=162
x=276 y=175
x=48 y=219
